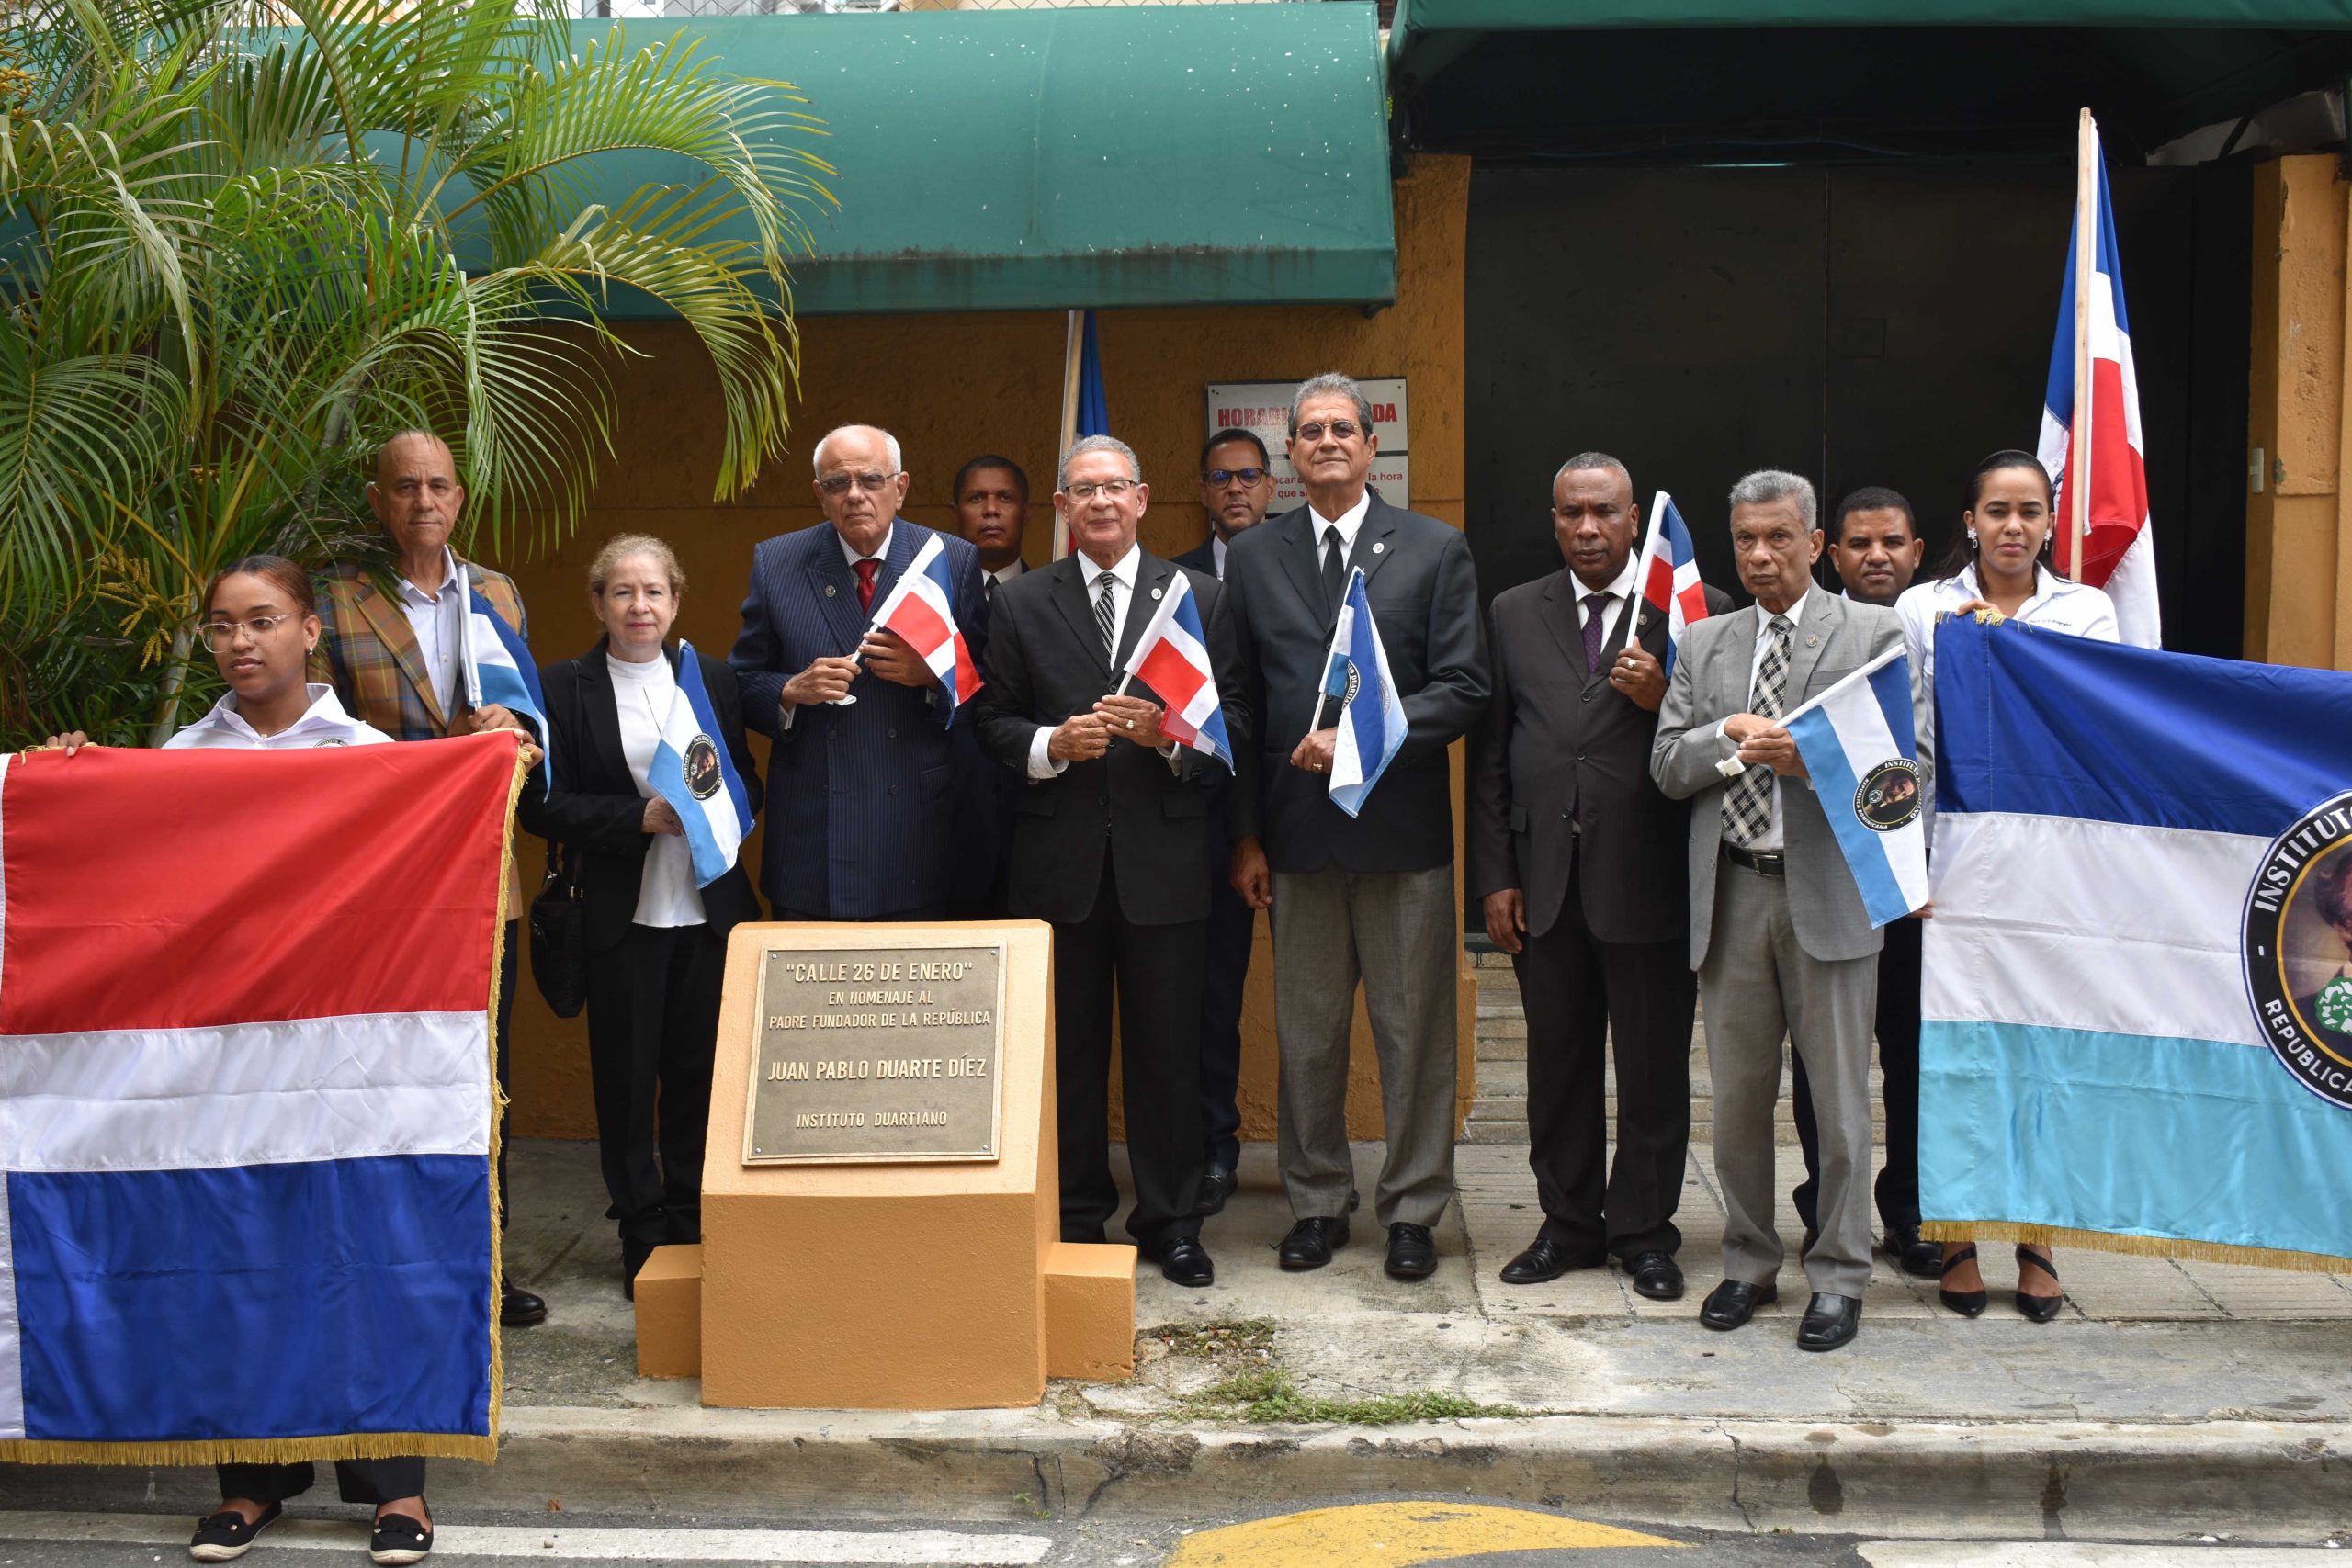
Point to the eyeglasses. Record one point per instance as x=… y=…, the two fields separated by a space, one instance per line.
x=1340 y=429
x=871 y=484
x=1082 y=492
x=218 y=634
x=1223 y=476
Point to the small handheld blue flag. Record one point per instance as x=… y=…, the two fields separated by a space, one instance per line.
x=1372 y=717
x=499 y=668
x=1858 y=743
x=693 y=772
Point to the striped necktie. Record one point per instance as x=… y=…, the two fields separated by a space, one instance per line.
x=1748 y=804
x=1106 y=612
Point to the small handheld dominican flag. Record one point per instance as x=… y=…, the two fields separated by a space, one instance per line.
x=1666 y=577
x=1172 y=657
x=1372 y=716
x=693 y=772
x=499 y=668
x=1859 y=744
x=921 y=607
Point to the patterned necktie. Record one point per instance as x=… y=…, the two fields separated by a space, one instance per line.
x=1596 y=605
x=866 y=569
x=1335 y=568
x=1748 y=804
x=1107 y=614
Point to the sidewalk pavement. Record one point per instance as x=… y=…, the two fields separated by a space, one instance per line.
x=2213 y=1398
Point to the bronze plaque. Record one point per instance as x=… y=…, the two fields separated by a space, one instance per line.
x=877 y=1053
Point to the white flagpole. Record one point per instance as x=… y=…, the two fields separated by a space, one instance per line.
x=1072 y=351
x=2079 y=440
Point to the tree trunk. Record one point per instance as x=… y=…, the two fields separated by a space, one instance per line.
x=174 y=676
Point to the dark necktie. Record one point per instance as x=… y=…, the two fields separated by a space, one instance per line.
x=866 y=569
x=1335 y=568
x=1596 y=605
x=987 y=588
x=1748 y=804
x=1107 y=614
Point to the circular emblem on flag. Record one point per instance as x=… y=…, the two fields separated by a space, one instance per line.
x=1355 y=684
x=2298 y=950
x=1888 y=798
x=703 y=777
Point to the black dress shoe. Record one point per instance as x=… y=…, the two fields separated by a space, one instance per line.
x=224 y=1537
x=1830 y=1321
x=1311 y=1242
x=1412 y=1255
x=1656 y=1275
x=1915 y=1254
x=1217 y=1183
x=2040 y=1309
x=1968 y=1303
x=1544 y=1259
x=1730 y=1304
x=1185 y=1261
x=633 y=1256
x=518 y=1308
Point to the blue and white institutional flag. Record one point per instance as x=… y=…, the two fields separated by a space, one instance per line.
x=2138 y=988
x=1372 y=717
x=1860 y=746
x=499 y=668
x=693 y=772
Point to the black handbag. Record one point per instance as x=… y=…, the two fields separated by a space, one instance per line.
x=559 y=935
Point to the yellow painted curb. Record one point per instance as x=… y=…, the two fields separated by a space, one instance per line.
x=1392 y=1535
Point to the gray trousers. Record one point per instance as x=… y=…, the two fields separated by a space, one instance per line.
x=1396 y=934
x=1759 y=986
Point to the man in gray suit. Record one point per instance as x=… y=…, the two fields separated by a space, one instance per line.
x=1778 y=932
x=1365 y=899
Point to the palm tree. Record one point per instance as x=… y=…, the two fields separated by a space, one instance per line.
x=234 y=255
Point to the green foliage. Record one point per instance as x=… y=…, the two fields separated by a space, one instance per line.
x=1265 y=1396
x=234 y=258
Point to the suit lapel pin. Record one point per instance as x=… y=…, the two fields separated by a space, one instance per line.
x=1155 y=592
x=828 y=591
x=1377 y=546
x=1813 y=641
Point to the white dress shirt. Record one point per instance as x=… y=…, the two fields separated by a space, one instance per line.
x=666 y=894
x=881 y=551
x=1621 y=593
x=2060 y=606
x=1216 y=553
x=324 y=723
x=1350 y=523
x=1122 y=573
x=999 y=577
x=1774 y=838
x=439 y=621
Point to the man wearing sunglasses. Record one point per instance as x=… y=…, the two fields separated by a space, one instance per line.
x=1237 y=486
x=1366 y=900
x=861 y=792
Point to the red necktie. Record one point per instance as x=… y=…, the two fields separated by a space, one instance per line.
x=866 y=570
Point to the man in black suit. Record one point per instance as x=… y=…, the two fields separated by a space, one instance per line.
x=1577 y=858
x=1112 y=845
x=1237 y=486
x=992 y=515
x=1366 y=900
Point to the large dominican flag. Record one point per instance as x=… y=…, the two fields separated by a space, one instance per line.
x=921 y=607
x=2119 y=553
x=245 y=1102
x=2137 y=999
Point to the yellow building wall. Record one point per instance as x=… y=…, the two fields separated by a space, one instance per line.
x=951 y=387
x=2298 y=523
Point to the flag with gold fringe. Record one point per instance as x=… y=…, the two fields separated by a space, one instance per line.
x=247 y=1101
x=2137 y=996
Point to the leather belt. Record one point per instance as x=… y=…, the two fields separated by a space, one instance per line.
x=1762 y=865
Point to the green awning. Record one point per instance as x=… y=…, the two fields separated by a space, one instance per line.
x=1740 y=80
x=1099 y=156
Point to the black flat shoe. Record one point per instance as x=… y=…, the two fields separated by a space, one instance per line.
x=224 y=1537
x=1656 y=1275
x=1217 y=1184
x=1730 y=1304
x=1311 y=1242
x=1915 y=1254
x=1830 y=1321
x=1968 y=1303
x=1544 y=1259
x=399 y=1540
x=2040 y=1309
x=1412 y=1255
x=518 y=1308
x=1185 y=1261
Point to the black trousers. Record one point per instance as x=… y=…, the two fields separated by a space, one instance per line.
x=1156 y=971
x=652 y=1027
x=1580 y=992
x=368 y=1481
x=1897 y=1188
x=1233 y=926
x=503 y=1030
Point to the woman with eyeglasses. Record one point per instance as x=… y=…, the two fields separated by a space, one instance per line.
x=260 y=624
x=1999 y=563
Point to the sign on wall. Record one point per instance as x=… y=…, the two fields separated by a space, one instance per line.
x=1262 y=408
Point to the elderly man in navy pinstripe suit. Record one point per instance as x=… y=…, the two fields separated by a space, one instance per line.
x=860 y=820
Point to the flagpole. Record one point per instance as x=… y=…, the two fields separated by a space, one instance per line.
x=1072 y=351
x=2078 y=441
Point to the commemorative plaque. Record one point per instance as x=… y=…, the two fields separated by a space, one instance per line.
x=877 y=1053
